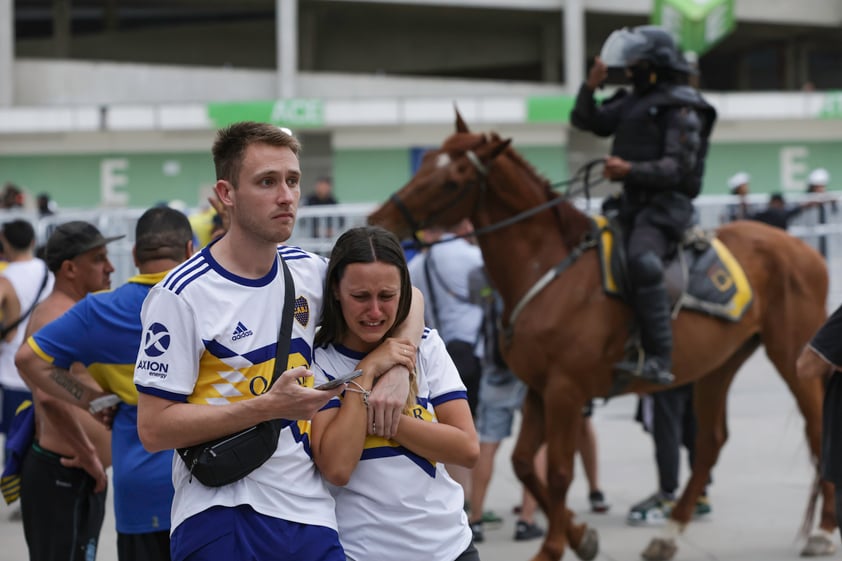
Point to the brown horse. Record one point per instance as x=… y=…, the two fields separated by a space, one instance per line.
x=567 y=335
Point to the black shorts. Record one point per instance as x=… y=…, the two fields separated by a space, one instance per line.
x=470 y=554
x=153 y=546
x=470 y=369
x=62 y=516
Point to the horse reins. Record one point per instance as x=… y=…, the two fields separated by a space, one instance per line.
x=582 y=174
x=588 y=242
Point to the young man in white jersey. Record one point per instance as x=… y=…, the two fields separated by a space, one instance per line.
x=204 y=364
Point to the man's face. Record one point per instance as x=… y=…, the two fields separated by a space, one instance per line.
x=265 y=200
x=322 y=189
x=93 y=270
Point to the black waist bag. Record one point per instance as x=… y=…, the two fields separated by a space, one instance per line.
x=228 y=459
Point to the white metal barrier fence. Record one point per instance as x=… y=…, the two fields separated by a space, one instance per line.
x=318 y=227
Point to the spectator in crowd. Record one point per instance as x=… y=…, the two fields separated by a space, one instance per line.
x=738 y=184
x=282 y=509
x=818 y=180
x=589 y=454
x=46 y=206
x=669 y=417
x=500 y=396
x=324 y=227
x=444 y=281
x=28 y=281
x=817 y=183
x=416 y=262
x=63 y=479
x=202 y=223
x=368 y=293
x=102 y=332
x=12 y=196
x=778 y=214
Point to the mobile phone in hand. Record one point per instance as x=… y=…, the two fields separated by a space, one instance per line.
x=336 y=382
x=104 y=402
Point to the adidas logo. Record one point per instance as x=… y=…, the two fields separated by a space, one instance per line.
x=241 y=331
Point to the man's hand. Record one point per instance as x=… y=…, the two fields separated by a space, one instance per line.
x=106 y=416
x=89 y=461
x=290 y=400
x=616 y=168
x=386 y=402
x=597 y=74
x=389 y=353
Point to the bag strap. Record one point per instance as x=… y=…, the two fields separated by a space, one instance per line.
x=8 y=329
x=285 y=334
x=431 y=290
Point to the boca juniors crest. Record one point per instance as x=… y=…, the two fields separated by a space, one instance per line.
x=302 y=311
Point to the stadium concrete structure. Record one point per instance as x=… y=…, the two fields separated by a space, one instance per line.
x=114 y=102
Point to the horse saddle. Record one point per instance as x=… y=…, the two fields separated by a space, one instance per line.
x=702 y=274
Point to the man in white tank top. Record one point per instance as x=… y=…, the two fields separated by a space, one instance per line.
x=32 y=282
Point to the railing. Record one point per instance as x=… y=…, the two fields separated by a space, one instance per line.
x=318 y=227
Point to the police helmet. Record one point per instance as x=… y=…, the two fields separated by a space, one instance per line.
x=650 y=44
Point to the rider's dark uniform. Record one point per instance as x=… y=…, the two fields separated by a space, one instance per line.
x=662 y=131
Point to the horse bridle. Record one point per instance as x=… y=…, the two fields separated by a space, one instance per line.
x=588 y=241
x=464 y=191
x=483 y=171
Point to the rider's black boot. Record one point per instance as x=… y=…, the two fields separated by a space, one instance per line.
x=652 y=310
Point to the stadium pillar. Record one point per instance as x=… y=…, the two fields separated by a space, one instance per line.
x=574 y=45
x=286 y=31
x=7 y=52
x=61 y=28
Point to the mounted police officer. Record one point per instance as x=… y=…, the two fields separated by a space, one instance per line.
x=660 y=131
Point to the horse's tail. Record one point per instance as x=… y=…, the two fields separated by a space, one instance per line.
x=810 y=513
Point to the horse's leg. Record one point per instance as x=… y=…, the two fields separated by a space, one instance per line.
x=709 y=403
x=562 y=409
x=584 y=541
x=529 y=440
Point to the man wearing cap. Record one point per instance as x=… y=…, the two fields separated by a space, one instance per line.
x=817 y=182
x=63 y=479
x=738 y=184
x=31 y=281
x=102 y=331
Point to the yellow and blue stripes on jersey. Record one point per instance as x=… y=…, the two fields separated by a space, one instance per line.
x=103 y=332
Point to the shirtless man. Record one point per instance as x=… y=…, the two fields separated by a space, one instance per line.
x=63 y=480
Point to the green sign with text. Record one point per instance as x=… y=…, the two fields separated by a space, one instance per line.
x=293 y=113
x=697 y=24
x=549 y=108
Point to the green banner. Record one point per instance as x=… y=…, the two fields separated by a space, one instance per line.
x=293 y=113
x=698 y=24
x=549 y=109
x=831 y=106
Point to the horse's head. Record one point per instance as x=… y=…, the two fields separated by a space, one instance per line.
x=448 y=186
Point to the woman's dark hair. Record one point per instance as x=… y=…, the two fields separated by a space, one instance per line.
x=366 y=244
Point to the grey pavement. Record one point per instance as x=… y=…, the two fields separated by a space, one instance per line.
x=759 y=493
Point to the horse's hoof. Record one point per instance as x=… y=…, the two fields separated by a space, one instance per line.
x=818 y=545
x=660 y=549
x=589 y=546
